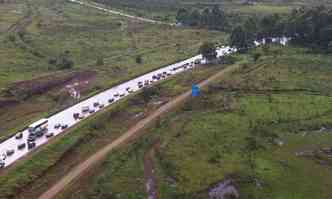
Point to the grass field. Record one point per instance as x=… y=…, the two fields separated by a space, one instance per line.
x=276 y=102
x=282 y=102
x=45 y=166
x=88 y=34
x=166 y=10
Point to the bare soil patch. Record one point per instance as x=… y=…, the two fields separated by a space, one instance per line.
x=150 y=179
x=23 y=90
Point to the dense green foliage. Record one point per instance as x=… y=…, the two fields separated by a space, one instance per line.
x=63 y=61
x=208 y=50
x=214 y=18
x=310 y=27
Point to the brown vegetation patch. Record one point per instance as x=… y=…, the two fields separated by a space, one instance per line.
x=7 y=102
x=24 y=89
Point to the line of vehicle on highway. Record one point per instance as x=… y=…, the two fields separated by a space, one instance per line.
x=42 y=130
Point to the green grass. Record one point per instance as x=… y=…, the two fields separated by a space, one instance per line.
x=88 y=34
x=264 y=9
x=204 y=142
x=46 y=165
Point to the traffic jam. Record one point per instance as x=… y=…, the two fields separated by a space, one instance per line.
x=41 y=131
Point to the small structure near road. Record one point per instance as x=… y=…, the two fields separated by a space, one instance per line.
x=194 y=90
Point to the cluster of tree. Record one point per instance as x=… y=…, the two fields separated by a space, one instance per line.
x=208 y=50
x=214 y=18
x=63 y=61
x=149 y=92
x=312 y=27
x=308 y=27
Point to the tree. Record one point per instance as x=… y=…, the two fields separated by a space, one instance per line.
x=64 y=61
x=195 y=18
x=251 y=27
x=139 y=59
x=182 y=16
x=214 y=18
x=206 y=17
x=310 y=27
x=241 y=39
x=256 y=56
x=218 y=18
x=149 y=92
x=208 y=50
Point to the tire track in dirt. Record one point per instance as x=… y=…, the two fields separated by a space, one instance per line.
x=100 y=155
x=150 y=179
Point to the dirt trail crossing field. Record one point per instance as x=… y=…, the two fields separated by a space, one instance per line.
x=100 y=155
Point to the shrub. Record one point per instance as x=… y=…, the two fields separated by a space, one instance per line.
x=256 y=56
x=139 y=59
x=100 y=61
x=149 y=92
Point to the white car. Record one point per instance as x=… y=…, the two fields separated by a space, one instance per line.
x=2 y=160
x=3 y=156
x=19 y=136
x=2 y=164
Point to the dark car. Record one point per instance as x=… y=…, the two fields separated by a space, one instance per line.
x=96 y=104
x=31 y=145
x=122 y=95
x=76 y=116
x=111 y=100
x=140 y=86
x=57 y=126
x=40 y=134
x=10 y=152
x=64 y=126
x=31 y=138
x=2 y=164
x=21 y=146
x=101 y=106
x=92 y=111
x=19 y=136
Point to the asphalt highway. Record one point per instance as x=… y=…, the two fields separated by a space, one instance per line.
x=105 y=98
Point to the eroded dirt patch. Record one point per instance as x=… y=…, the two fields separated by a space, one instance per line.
x=23 y=90
x=150 y=179
x=223 y=190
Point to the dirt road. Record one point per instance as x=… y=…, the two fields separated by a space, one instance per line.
x=101 y=7
x=100 y=155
